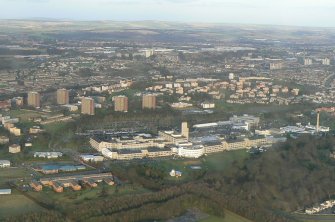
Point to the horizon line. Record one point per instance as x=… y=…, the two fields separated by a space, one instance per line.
x=42 y=19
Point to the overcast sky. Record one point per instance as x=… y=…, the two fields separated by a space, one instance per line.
x=279 y=12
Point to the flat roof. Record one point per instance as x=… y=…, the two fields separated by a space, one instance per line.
x=129 y=151
x=4 y=162
x=156 y=149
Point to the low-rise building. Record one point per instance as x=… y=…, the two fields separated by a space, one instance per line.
x=4 y=139
x=4 y=163
x=71 y=108
x=127 y=141
x=48 y=155
x=5 y=191
x=36 y=186
x=15 y=131
x=35 y=130
x=191 y=151
x=208 y=105
x=91 y=158
x=15 y=148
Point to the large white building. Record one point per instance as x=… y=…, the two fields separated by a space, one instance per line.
x=191 y=151
x=48 y=155
x=4 y=163
x=138 y=141
x=5 y=191
x=91 y=158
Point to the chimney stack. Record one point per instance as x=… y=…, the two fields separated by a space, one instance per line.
x=318 y=122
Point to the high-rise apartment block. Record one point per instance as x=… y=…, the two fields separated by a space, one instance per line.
x=87 y=106
x=149 y=101
x=185 y=130
x=34 y=99
x=121 y=104
x=62 y=97
x=308 y=62
x=326 y=62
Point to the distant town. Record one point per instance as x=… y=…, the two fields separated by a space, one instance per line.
x=90 y=117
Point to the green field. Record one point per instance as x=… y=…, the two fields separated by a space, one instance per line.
x=76 y=197
x=229 y=217
x=24 y=114
x=222 y=161
x=7 y=174
x=14 y=204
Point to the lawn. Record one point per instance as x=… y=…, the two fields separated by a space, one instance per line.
x=222 y=161
x=7 y=174
x=15 y=204
x=25 y=115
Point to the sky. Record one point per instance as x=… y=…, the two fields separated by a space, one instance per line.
x=316 y=13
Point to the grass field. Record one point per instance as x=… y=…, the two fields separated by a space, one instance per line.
x=76 y=197
x=14 y=204
x=229 y=217
x=7 y=174
x=221 y=161
x=24 y=114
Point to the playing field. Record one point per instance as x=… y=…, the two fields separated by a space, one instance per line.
x=25 y=115
x=14 y=204
x=222 y=161
x=7 y=174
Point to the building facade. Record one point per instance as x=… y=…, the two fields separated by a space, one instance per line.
x=87 y=106
x=149 y=101
x=121 y=104
x=63 y=97
x=34 y=99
